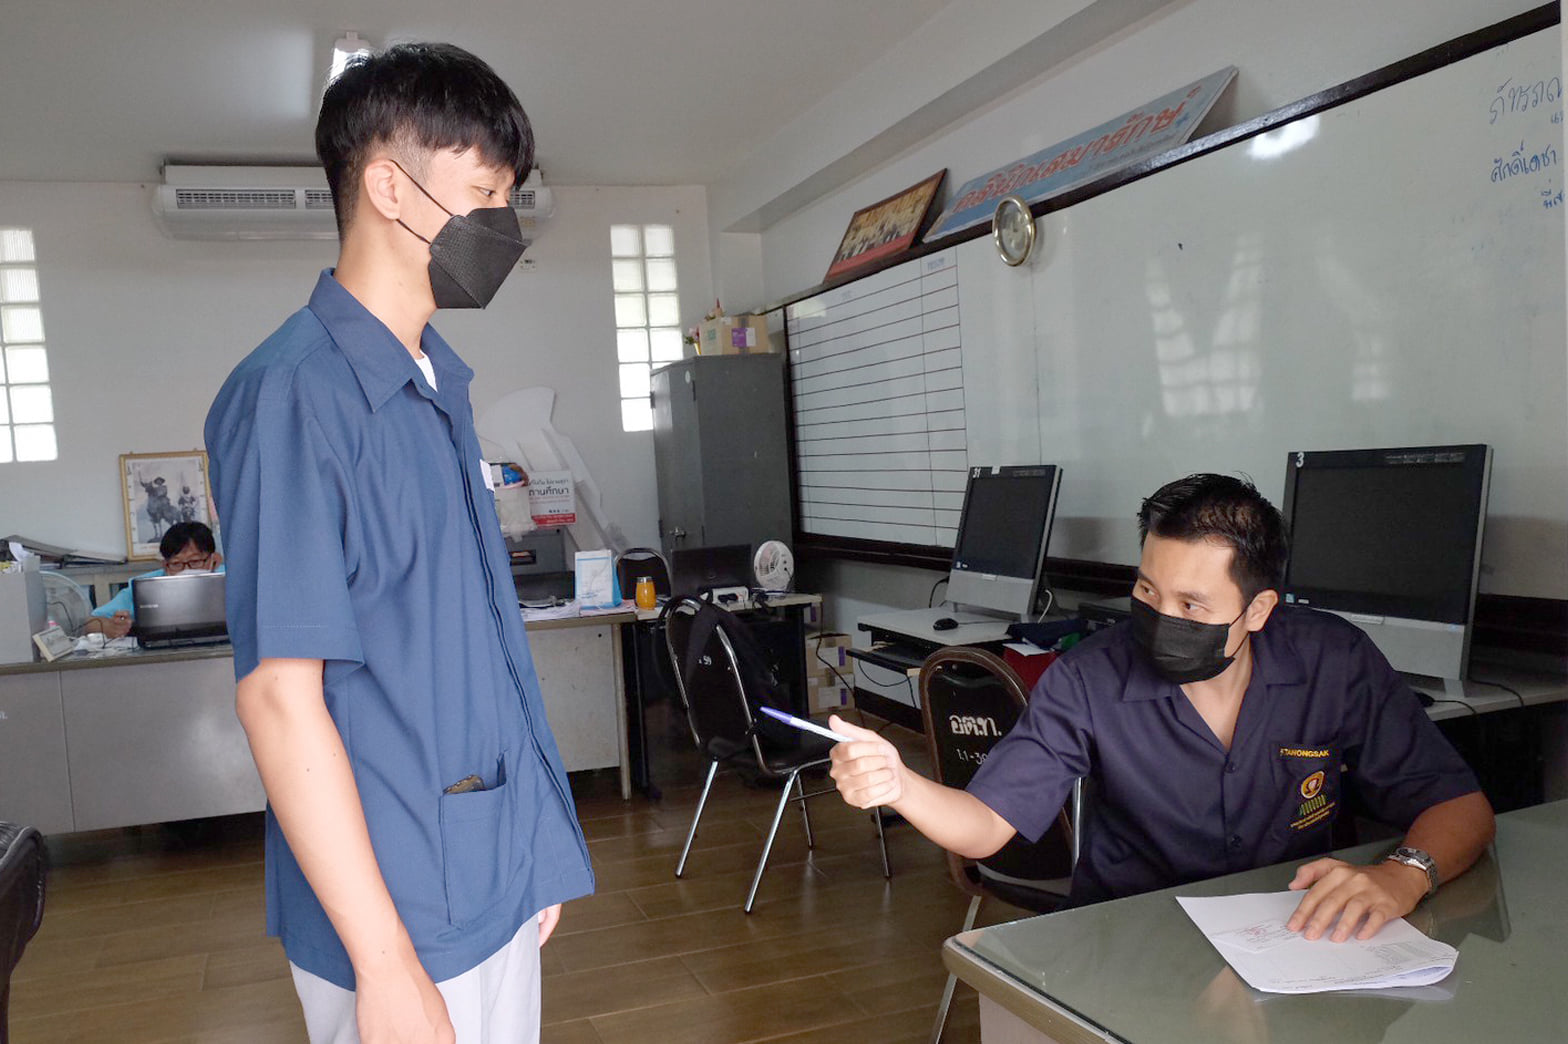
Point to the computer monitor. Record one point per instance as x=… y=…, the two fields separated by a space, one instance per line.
x=1390 y=539
x=1000 y=552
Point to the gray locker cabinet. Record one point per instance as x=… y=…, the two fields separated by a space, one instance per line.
x=720 y=451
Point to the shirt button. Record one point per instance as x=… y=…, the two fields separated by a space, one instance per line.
x=1231 y=766
x=1235 y=842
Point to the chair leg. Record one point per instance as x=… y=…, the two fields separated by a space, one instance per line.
x=762 y=864
x=952 y=980
x=876 y=814
x=805 y=813
x=702 y=802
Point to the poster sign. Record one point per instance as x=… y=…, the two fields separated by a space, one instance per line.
x=552 y=498
x=1162 y=124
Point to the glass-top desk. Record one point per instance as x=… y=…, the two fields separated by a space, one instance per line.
x=1138 y=970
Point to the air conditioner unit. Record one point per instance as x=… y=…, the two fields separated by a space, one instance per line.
x=532 y=199
x=224 y=202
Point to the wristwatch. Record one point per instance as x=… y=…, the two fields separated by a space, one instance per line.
x=1420 y=860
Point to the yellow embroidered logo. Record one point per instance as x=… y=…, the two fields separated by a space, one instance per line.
x=1311 y=785
x=1302 y=752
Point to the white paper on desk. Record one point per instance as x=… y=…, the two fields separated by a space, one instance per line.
x=1249 y=932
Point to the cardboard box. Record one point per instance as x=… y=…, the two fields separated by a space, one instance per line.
x=822 y=696
x=826 y=653
x=734 y=335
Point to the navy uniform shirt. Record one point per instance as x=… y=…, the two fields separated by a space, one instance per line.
x=359 y=531
x=1172 y=805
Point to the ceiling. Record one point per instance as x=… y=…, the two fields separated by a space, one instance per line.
x=620 y=92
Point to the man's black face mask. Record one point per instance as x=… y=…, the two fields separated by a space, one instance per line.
x=1181 y=651
x=472 y=254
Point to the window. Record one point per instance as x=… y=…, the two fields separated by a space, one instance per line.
x=647 y=314
x=26 y=406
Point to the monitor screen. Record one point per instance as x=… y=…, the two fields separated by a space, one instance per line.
x=1389 y=532
x=1005 y=520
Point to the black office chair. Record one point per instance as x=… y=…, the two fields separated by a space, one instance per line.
x=637 y=562
x=22 y=878
x=970 y=699
x=720 y=678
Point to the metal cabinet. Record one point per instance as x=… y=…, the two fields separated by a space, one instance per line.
x=721 y=452
x=35 y=787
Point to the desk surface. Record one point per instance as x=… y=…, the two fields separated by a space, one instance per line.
x=1138 y=970
x=974 y=627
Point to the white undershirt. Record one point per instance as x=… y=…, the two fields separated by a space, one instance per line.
x=427 y=369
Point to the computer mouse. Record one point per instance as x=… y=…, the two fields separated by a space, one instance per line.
x=943 y=623
x=1425 y=698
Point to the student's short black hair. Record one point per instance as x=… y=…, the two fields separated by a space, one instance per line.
x=426 y=96
x=1219 y=507
x=182 y=533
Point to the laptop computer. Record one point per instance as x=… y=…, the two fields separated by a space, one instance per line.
x=694 y=570
x=186 y=609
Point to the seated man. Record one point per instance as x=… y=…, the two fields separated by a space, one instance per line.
x=186 y=546
x=1215 y=724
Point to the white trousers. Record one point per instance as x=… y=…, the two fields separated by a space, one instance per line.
x=495 y=1002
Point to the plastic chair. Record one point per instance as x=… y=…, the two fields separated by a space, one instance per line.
x=22 y=879
x=970 y=699
x=719 y=684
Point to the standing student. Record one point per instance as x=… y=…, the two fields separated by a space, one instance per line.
x=420 y=834
x=1219 y=728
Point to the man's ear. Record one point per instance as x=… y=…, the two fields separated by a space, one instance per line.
x=1260 y=609
x=381 y=189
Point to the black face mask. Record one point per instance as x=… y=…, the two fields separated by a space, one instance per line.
x=1179 y=650
x=472 y=254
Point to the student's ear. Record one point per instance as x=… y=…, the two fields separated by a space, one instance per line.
x=380 y=188
x=1261 y=608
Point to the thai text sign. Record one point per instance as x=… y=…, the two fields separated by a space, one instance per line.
x=552 y=498
x=1164 y=123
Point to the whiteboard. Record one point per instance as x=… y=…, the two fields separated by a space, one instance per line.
x=1375 y=275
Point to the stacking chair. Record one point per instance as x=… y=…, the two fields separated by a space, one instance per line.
x=720 y=678
x=21 y=903
x=637 y=562
x=970 y=699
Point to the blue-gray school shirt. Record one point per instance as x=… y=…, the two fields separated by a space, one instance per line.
x=1171 y=804
x=359 y=531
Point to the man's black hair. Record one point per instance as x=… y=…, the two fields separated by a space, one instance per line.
x=182 y=533
x=425 y=96
x=1231 y=510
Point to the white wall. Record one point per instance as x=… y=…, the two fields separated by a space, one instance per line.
x=1284 y=51
x=142 y=330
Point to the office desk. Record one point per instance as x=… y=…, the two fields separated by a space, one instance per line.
x=150 y=736
x=1138 y=970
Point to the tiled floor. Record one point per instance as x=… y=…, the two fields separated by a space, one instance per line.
x=155 y=934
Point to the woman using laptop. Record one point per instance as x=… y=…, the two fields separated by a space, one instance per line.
x=186 y=547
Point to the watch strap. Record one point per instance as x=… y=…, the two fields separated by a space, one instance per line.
x=1419 y=859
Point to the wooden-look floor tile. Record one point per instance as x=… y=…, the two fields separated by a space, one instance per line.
x=578 y=995
x=157 y=934
x=744 y=1015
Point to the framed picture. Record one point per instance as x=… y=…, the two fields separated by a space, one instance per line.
x=161 y=489
x=885 y=229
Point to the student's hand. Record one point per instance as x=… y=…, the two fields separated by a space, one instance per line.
x=118 y=625
x=549 y=917
x=866 y=769
x=1377 y=893
x=399 y=1004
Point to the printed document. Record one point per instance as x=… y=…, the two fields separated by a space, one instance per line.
x=1249 y=932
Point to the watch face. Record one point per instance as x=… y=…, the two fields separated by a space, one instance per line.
x=1013 y=230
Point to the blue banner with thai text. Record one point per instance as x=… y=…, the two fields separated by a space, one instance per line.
x=1164 y=123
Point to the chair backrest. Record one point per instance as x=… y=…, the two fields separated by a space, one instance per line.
x=22 y=880
x=637 y=562
x=970 y=699
x=713 y=676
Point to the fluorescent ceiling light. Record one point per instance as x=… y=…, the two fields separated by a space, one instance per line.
x=348 y=47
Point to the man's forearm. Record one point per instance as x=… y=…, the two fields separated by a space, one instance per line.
x=311 y=788
x=954 y=819
x=1454 y=833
